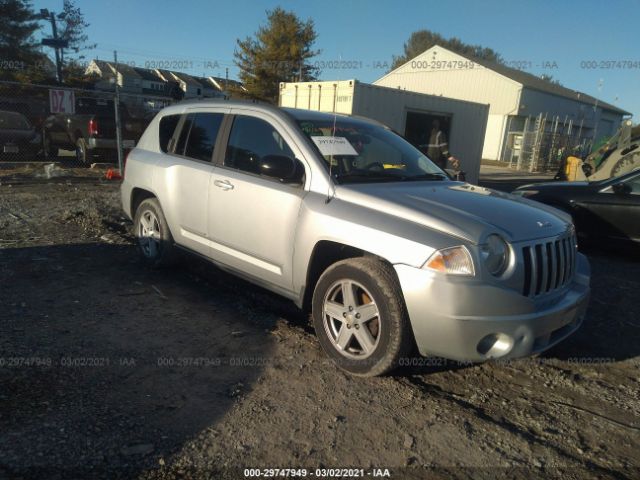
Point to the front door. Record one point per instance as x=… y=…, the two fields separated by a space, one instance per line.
x=252 y=219
x=617 y=213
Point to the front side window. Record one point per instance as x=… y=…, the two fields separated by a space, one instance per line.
x=252 y=139
x=359 y=151
x=198 y=135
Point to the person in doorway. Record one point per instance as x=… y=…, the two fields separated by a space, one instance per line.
x=438 y=148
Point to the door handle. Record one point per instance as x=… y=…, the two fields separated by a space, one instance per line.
x=223 y=184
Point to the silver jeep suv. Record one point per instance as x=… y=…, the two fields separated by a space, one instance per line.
x=344 y=217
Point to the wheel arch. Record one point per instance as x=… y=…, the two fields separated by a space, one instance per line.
x=324 y=254
x=138 y=195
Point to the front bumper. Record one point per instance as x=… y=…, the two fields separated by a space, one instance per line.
x=465 y=320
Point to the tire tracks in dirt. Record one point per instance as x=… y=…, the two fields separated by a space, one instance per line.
x=503 y=424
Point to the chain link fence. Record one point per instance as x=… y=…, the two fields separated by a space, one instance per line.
x=540 y=144
x=70 y=127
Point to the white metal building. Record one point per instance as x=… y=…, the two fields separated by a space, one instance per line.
x=513 y=96
x=408 y=113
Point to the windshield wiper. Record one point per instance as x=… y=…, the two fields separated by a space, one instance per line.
x=364 y=175
x=368 y=175
x=425 y=176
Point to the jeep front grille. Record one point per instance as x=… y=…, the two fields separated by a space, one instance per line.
x=548 y=265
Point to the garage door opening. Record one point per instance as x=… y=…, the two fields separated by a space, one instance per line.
x=419 y=125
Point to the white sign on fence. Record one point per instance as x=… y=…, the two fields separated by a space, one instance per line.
x=62 y=101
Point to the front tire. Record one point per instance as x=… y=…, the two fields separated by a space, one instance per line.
x=360 y=317
x=153 y=237
x=49 y=151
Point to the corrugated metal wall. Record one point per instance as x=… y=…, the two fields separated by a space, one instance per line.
x=320 y=96
x=533 y=102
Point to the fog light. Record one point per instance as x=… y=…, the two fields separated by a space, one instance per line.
x=495 y=345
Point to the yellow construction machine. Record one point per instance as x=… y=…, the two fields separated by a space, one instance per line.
x=619 y=155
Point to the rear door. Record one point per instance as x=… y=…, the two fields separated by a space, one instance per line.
x=252 y=218
x=187 y=173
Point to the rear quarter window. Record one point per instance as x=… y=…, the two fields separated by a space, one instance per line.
x=168 y=125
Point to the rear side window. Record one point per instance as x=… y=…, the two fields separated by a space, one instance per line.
x=198 y=135
x=168 y=125
x=251 y=139
x=202 y=138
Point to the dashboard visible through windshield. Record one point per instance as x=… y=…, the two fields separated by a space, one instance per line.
x=358 y=151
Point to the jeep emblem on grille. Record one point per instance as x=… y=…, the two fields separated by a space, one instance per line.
x=544 y=224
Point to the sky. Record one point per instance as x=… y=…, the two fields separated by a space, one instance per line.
x=588 y=45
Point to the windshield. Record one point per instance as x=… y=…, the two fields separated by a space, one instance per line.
x=358 y=151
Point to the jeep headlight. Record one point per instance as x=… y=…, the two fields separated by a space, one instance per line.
x=454 y=261
x=495 y=255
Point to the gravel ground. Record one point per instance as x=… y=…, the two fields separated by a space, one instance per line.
x=111 y=370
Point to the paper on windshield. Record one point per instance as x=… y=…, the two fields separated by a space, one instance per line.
x=334 y=145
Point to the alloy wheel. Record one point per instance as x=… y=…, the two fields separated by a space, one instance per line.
x=351 y=319
x=149 y=235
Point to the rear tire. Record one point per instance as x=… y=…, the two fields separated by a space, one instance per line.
x=153 y=238
x=360 y=317
x=81 y=151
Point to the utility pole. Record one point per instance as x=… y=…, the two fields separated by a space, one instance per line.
x=596 y=117
x=116 y=106
x=55 y=42
x=54 y=29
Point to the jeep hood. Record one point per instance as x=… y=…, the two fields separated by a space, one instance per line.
x=459 y=209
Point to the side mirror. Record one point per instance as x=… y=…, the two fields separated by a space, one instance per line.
x=621 y=188
x=286 y=169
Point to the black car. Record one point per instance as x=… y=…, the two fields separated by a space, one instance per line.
x=18 y=138
x=606 y=209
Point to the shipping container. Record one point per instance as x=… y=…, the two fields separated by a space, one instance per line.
x=408 y=113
